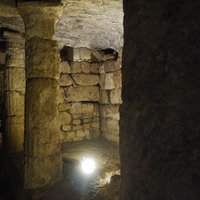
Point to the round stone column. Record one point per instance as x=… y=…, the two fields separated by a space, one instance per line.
x=14 y=91
x=42 y=142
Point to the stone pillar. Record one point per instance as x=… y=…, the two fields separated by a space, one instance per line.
x=14 y=91
x=160 y=114
x=42 y=141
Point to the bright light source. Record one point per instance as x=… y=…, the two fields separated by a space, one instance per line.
x=88 y=165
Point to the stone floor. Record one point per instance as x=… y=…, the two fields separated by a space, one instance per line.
x=103 y=184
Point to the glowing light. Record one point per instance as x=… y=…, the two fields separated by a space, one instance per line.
x=88 y=165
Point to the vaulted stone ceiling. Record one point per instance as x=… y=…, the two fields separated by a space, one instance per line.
x=83 y=23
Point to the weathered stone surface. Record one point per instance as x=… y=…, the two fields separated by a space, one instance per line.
x=75 y=67
x=109 y=66
x=110 y=129
x=65 y=80
x=96 y=112
x=65 y=118
x=101 y=26
x=76 y=110
x=159 y=119
x=76 y=122
x=39 y=18
x=81 y=93
x=71 y=135
x=95 y=68
x=104 y=95
x=77 y=127
x=85 y=54
x=15 y=133
x=80 y=133
x=66 y=128
x=42 y=171
x=110 y=111
x=42 y=58
x=117 y=79
x=75 y=54
x=97 y=56
x=85 y=79
x=94 y=133
x=65 y=68
x=87 y=110
x=115 y=96
x=95 y=125
x=40 y=144
x=107 y=81
x=14 y=103
x=15 y=79
x=64 y=106
x=61 y=95
x=85 y=67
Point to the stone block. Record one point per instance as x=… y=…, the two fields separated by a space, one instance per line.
x=80 y=133
x=77 y=127
x=87 y=110
x=107 y=81
x=61 y=95
x=15 y=79
x=86 y=126
x=110 y=66
x=115 y=96
x=85 y=67
x=14 y=129
x=15 y=63
x=42 y=171
x=75 y=67
x=117 y=79
x=112 y=126
x=65 y=80
x=97 y=56
x=65 y=118
x=15 y=54
x=71 y=135
x=65 y=68
x=95 y=125
x=14 y=103
x=76 y=110
x=96 y=112
x=85 y=54
x=42 y=104
x=64 y=106
x=85 y=79
x=76 y=54
x=87 y=120
x=95 y=68
x=42 y=58
x=66 y=128
x=76 y=122
x=42 y=143
x=110 y=111
x=83 y=93
x=104 y=96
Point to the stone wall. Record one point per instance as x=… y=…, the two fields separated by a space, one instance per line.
x=90 y=94
x=160 y=113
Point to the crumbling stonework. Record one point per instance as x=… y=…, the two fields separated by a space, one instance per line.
x=14 y=91
x=90 y=83
x=42 y=139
